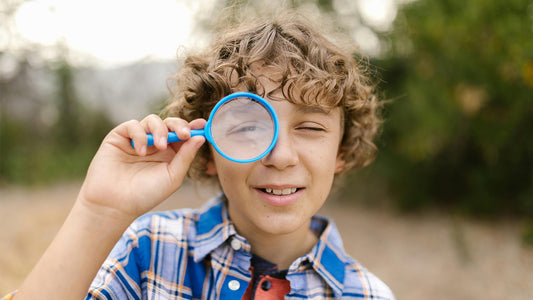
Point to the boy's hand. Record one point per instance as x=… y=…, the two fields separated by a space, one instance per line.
x=125 y=182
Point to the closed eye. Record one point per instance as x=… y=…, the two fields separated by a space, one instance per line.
x=311 y=127
x=318 y=129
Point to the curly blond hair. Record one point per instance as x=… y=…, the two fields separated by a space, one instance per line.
x=323 y=74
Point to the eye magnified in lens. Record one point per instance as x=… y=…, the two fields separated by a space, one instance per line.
x=242 y=127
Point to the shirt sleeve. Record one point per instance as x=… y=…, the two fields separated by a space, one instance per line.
x=119 y=276
x=378 y=289
x=361 y=283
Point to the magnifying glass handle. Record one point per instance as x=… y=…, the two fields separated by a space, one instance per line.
x=172 y=137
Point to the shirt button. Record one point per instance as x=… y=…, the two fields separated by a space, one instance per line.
x=234 y=285
x=235 y=244
x=266 y=285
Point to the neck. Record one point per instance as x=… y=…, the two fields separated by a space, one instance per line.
x=282 y=249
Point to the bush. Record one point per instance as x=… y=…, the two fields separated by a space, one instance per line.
x=36 y=153
x=458 y=132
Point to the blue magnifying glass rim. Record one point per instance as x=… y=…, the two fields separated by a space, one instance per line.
x=270 y=109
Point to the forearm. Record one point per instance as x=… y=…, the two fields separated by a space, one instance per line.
x=67 y=268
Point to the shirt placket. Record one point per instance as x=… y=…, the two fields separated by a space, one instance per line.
x=238 y=274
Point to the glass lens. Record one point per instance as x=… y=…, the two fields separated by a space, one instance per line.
x=242 y=128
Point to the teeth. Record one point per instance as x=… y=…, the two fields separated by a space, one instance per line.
x=286 y=191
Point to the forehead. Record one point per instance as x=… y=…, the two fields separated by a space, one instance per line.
x=276 y=83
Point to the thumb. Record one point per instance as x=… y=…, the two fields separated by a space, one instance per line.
x=181 y=162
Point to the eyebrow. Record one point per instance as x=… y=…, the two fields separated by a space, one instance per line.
x=313 y=109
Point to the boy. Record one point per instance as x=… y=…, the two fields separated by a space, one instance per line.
x=259 y=239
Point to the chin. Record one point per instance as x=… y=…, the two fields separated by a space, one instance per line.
x=280 y=225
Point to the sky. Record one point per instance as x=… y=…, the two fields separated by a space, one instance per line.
x=115 y=32
x=110 y=31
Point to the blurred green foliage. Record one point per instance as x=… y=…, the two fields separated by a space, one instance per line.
x=34 y=152
x=459 y=130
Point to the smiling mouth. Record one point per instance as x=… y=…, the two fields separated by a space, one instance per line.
x=280 y=192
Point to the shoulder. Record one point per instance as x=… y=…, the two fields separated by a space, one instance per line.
x=155 y=248
x=360 y=281
x=166 y=223
x=178 y=226
x=346 y=276
x=156 y=230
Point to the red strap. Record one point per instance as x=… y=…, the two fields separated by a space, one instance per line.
x=274 y=289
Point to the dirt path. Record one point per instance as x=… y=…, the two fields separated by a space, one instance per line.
x=429 y=256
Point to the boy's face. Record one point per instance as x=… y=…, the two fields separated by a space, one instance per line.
x=281 y=192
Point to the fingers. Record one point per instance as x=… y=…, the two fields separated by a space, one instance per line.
x=137 y=132
x=186 y=151
x=153 y=124
x=198 y=123
x=181 y=127
x=134 y=131
x=184 y=157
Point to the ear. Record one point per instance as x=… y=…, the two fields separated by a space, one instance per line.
x=339 y=162
x=211 y=168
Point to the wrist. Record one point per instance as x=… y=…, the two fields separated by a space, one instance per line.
x=97 y=215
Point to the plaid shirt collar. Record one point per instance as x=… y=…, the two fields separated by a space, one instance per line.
x=327 y=258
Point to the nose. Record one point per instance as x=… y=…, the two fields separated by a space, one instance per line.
x=284 y=153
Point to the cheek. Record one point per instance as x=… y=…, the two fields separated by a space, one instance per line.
x=230 y=173
x=227 y=180
x=322 y=158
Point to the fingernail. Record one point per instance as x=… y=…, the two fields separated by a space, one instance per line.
x=162 y=141
x=143 y=150
x=186 y=130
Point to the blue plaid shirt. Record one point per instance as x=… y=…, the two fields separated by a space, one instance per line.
x=198 y=254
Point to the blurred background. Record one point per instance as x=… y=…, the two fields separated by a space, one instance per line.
x=446 y=210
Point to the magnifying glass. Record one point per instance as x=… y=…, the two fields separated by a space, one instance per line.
x=242 y=127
